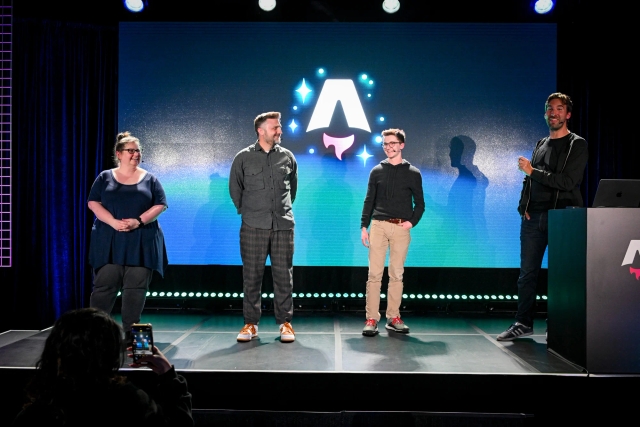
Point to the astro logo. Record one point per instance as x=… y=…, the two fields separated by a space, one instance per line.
x=632 y=250
x=335 y=90
x=337 y=108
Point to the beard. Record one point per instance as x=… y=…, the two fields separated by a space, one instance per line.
x=558 y=125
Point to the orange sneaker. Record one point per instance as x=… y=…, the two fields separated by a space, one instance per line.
x=286 y=333
x=248 y=332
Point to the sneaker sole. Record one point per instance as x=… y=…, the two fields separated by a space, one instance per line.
x=287 y=339
x=391 y=328
x=243 y=339
x=514 y=338
x=370 y=333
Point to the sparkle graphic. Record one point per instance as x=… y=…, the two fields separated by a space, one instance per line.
x=364 y=155
x=303 y=90
x=293 y=125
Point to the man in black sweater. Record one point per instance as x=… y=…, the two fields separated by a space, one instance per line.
x=552 y=181
x=393 y=206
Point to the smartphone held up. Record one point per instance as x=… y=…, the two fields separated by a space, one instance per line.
x=141 y=340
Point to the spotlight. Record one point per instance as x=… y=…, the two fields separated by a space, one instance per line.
x=390 y=6
x=543 y=6
x=267 y=5
x=134 y=5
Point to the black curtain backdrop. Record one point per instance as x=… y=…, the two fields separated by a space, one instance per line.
x=65 y=121
x=602 y=88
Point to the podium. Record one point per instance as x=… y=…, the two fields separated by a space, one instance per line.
x=593 y=308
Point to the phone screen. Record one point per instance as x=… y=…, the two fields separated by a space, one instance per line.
x=141 y=340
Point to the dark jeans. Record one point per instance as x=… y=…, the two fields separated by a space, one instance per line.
x=255 y=245
x=134 y=282
x=533 y=244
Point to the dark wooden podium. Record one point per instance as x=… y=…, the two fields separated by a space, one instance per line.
x=593 y=306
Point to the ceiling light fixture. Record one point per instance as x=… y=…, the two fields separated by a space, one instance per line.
x=134 y=5
x=543 y=6
x=390 y=6
x=267 y=5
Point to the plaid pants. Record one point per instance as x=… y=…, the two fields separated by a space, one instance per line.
x=255 y=245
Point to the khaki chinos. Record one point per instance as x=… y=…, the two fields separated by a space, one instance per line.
x=386 y=236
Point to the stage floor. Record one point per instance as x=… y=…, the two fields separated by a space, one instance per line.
x=330 y=342
x=449 y=363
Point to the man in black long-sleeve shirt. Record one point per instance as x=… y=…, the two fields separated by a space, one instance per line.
x=552 y=181
x=393 y=205
x=263 y=183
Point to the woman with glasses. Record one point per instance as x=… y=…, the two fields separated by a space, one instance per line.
x=127 y=242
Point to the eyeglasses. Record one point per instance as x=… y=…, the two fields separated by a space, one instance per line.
x=132 y=150
x=390 y=144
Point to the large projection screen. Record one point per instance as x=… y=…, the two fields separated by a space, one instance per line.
x=470 y=97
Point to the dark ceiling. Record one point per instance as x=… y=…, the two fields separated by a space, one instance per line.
x=113 y=11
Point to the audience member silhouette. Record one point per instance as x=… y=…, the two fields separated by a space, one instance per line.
x=77 y=383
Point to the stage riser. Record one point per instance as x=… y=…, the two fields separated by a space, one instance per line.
x=345 y=399
x=357 y=419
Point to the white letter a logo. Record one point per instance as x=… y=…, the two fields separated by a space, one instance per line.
x=335 y=90
x=632 y=250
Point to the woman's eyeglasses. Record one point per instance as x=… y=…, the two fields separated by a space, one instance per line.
x=132 y=150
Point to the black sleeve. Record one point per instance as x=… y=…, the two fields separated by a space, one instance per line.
x=369 y=200
x=418 y=197
x=173 y=399
x=572 y=173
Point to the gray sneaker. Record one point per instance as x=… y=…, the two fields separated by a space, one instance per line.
x=370 y=328
x=396 y=324
x=517 y=330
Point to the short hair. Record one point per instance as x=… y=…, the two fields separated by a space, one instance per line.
x=261 y=118
x=565 y=99
x=399 y=133
x=123 y=139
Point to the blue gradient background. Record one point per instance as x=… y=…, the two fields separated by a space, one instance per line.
x=469 y=96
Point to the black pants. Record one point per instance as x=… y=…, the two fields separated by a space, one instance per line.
x=134 y=282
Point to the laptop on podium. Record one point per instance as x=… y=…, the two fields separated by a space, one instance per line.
x=617 y=193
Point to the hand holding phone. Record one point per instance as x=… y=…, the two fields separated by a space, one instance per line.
x=144 y=352
x=157 y=362
x=141 y=341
